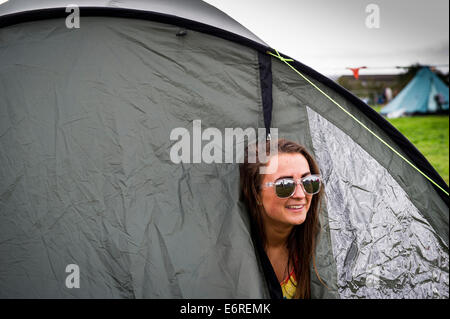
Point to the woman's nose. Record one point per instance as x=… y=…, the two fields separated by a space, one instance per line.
x=299 y=192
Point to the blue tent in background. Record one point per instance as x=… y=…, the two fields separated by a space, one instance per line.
x=426 y=93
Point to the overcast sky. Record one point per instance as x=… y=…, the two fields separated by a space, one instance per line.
x=330 y=35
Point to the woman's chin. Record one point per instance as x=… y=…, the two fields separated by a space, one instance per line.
x=297 y=217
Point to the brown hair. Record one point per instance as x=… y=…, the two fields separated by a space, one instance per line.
x=301 y=242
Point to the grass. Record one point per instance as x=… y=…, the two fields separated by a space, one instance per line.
x=430 y=135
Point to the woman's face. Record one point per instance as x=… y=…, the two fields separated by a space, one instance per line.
x=286 y=211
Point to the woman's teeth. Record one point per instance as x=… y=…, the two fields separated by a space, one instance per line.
x=295 y=206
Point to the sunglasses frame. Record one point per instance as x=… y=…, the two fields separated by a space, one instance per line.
x=297 y=182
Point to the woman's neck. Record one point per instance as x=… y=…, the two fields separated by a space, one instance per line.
x=277 y=237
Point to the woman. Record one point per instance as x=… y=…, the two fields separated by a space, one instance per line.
x=284 y=206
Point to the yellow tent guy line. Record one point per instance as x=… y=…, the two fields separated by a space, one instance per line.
x=353 y=117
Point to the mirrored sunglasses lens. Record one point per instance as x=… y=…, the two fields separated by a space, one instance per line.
x=311 y=185
x=284 y=188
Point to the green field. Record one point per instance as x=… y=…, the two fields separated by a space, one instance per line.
x=430 y=134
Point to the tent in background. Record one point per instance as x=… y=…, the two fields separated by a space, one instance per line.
x=426 y=93
x=86 y=176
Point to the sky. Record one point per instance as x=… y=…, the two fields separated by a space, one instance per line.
x=331 y=35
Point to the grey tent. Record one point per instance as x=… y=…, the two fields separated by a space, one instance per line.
x=88 y=187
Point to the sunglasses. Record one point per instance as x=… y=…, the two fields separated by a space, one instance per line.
x=285 y=187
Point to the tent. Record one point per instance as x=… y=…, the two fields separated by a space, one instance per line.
x=426 y=93
x=92 y=205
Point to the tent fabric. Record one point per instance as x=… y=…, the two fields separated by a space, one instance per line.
x=86 y=176
x=349 y=217
x=419 y=95
x=194 y=10
x=265 y=74
x=112 y=11
x=419 y=189
x=383 y=246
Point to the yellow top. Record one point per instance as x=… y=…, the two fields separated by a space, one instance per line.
x=288 y=286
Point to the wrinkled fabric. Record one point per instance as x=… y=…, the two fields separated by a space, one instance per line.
x=86 y=176
x=383 y=246
x=420 y=191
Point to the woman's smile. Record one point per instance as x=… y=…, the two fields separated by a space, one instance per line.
x=295 y=208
